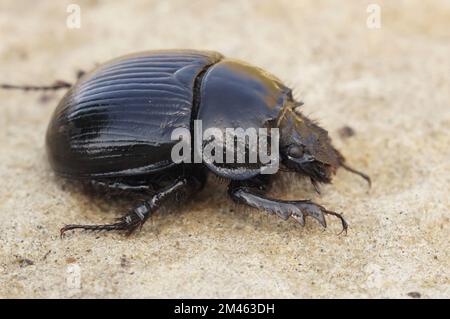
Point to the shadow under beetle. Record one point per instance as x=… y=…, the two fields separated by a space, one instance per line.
x=113 y=130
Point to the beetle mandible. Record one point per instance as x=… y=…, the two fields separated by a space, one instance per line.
x=113 y=128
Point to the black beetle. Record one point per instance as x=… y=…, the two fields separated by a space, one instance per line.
x=113 y=129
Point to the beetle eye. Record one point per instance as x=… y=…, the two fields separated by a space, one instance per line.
x=295 y=151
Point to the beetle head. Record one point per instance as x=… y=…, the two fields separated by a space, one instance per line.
x=305 y=147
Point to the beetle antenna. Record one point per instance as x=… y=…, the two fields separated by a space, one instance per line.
x=354 y=171
x=56 y=86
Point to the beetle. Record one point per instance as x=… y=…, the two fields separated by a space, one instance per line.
x=112 y=129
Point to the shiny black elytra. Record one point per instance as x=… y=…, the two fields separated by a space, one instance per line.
x=113 y=130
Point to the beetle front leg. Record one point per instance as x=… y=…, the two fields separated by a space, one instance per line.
x=297 y=209
x=137 y=217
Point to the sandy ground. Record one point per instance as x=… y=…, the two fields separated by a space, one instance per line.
x=391 y=85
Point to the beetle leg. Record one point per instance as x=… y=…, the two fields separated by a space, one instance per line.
x=137 y=217
x=57 y=85
x=114 y=188
x=297 y=209
x=53 y=87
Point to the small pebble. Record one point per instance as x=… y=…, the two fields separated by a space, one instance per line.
x=346 y=132
x=23 y=262
x=414 y=294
